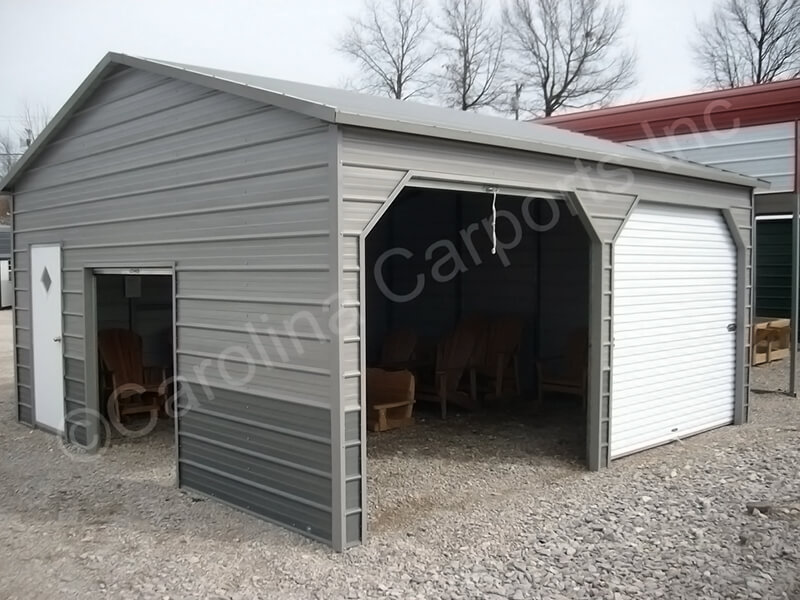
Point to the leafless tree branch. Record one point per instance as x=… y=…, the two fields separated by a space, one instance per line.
x=8 y=153
x=749 y=41
x=569 y=52
x=390 y=45
x=472 y=47
x=34 y=118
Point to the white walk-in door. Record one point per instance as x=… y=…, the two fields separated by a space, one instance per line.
x=48 y=365
x=674 y=357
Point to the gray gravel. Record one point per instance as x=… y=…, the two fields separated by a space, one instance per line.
x=498 y=511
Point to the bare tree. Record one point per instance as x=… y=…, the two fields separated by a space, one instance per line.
x=749 y=41
x=472 y=46
x=8 y=153
x=34 y=118
x=391 y=47
x=569 y=52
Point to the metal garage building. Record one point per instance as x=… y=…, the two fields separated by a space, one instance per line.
x=256 y=197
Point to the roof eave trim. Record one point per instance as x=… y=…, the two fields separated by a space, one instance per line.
x=676 y=166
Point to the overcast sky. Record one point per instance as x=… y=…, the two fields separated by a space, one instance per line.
x=49 y=46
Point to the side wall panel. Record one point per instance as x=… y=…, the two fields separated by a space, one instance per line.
x=237 y=196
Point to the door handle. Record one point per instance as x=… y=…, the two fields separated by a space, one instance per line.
x=57 y=339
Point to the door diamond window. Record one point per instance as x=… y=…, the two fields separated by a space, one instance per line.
x=46 y=281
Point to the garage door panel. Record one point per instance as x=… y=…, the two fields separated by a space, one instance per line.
x=671 y=395
x=666 y=340
x=665 y=293
x=641 y=372
x=673 y=355
x=633 y=380
x=701 y=279
x=660 y=382
x=686 y=222
x=674 y=304
x=632 y=314
x=651 y=439
x=644 y=428
x=665 y=349
x=657 y=326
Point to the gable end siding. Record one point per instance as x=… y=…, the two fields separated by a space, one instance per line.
x=236 y=195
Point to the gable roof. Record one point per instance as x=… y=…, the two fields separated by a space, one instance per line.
x=351 y=108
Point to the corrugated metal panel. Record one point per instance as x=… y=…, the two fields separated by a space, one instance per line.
x=675 y=273
x=764 y=151
x=774 y=268
x=236 y=194
x=5 y=242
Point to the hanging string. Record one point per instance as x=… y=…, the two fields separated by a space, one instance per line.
x=494 y=222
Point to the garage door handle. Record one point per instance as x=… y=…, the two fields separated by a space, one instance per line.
x=731 y=326
x=57 y=339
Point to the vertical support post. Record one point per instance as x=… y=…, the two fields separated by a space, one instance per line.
x=596 y=435
x=338 y=499
x=795 y=296
x=94 y=434
x=795 y=312
x=598 y=399
x=740 y=404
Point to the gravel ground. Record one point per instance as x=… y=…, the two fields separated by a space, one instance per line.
x=498 y=511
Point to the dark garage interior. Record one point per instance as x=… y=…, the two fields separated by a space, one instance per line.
x=441 y=305
x=135 y=353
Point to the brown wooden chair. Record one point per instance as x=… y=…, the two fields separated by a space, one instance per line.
x=499 y=365
x=398 y=349
x=134 y=388
x=390 y=399
x=566 y=374
x=454 y=355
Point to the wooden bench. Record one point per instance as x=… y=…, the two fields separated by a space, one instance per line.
x=390 y=399
x=771 y=340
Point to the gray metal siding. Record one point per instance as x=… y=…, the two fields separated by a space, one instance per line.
x=375 y=162
x=5 y=242
x=763 y=151
x=237 y=195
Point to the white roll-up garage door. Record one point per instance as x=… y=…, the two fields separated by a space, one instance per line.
x=674 y=358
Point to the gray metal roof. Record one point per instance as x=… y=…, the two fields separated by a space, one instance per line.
x=362 y=110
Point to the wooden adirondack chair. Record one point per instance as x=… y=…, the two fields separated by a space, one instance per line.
x=566 y=374
x=134 y=388
x=398 y=349
x=500 y=361
x=453 y=361
x=390 y=399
